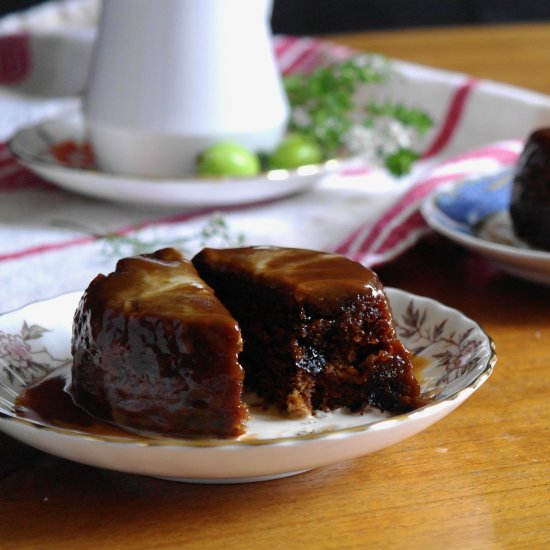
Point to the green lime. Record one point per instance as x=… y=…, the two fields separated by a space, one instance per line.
x=294 y=151
x=227 y=159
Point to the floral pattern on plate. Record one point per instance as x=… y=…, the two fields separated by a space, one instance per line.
x=22 y=363
x=457 y=357
x=454 y=354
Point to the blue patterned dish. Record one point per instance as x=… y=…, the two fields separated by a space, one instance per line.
x=472 y=201
x=474 y=213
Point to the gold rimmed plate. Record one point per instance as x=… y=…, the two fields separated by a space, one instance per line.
x=456 y=356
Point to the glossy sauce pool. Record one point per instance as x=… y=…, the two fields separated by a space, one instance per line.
x=48 y=401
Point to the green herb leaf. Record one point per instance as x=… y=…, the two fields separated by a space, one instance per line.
x=408 y=116
x=324 y=108
x=400 y=162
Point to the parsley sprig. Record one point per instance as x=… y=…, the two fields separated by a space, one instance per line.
x=324 y=108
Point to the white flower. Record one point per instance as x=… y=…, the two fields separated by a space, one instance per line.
x=362 y=141
x=374 y=143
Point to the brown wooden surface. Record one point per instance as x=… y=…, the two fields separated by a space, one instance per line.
x=479 y=478
x=515 y=54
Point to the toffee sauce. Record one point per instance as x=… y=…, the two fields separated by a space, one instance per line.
x=49 y=402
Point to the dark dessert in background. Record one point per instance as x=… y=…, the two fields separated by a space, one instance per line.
x=317 y=329
x=155 y=350
x=530 y=200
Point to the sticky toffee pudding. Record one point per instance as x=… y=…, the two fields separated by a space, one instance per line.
x=167 y=345
x=530 y=200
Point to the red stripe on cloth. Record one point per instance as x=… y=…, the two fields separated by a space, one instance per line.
x=354 y=171
x=284 y=50
x=452 y=120
x=5 y=156
x=414 y=235
x=398 y=242
x=319 y=54
x=281 y=44
x=14 y=177
x=403 y=217
x=506 y=153
x=400 y=232
x=308 y=50
x=15 y=58
x=178 y=218
x=39 y=249
x=6 y=161
x=23 y=180
x=345 y=246
x=413 y=197
x=503 y=153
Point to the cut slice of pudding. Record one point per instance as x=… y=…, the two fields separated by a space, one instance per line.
x=155 y=350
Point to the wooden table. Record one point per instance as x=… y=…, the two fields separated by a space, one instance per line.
x=480 y=478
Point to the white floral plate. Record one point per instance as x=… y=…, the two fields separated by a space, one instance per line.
x=474 y=213
x=457 y=356
x=32 y=146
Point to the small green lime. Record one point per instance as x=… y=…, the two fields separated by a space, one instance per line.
x=294 y=151
x=227 y=159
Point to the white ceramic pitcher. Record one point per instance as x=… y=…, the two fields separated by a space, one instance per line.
x=171 y=77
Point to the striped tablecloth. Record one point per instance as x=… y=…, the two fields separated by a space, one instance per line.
x=52 y=241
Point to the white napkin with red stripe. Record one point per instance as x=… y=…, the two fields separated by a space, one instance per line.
x=52 y=241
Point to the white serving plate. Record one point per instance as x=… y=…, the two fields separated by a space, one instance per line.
x=32 y=145
x=474 y=213
x=467 y=113
x=458 y=358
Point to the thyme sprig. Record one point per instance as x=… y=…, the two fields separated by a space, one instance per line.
x=215 y=232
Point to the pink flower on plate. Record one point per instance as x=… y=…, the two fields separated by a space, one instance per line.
x=15 y=350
